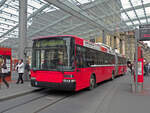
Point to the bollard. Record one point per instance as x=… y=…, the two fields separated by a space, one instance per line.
x=139 y=87
x=133 y=88
x=133 y=84
x=140 y=80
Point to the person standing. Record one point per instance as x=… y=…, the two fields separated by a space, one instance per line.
x=149 y=68
x=146 y=69
x=20 y=68
x=27 y=70
x=129 y=65
x=4 y=73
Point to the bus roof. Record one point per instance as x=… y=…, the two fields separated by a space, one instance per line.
x=44 y=37
x=81 y=41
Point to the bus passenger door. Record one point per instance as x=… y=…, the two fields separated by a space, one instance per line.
x=82 y=77
x=82 y=71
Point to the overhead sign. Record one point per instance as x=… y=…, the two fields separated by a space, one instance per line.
x=144 y=32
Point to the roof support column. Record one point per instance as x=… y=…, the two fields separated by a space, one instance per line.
x=111 y=40
x=104 y=36
x=22 y=28
x=123 y=47
x=120 y=46
x=115 y=42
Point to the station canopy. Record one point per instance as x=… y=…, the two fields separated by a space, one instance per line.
x=85 y=18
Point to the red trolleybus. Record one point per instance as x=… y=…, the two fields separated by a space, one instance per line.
x=71 y=63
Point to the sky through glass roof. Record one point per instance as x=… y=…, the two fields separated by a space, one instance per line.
x=138 y=11
x=133 y=13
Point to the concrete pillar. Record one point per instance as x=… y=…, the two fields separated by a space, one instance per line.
x=104 y=37
x=112 y=44
x=128 y=46
x=115 y=42
x=22 y=28
x=123 y=47
x=111 y=41
x=120 y=46
x=108 y=40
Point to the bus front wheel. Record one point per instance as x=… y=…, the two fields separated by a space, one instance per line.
x=92 y=82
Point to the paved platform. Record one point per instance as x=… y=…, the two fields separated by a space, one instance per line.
x=111 y=97
x=15 y=90
x=124 y=101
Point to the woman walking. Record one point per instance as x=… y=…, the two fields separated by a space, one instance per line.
x=4 y=73
x=20 y=69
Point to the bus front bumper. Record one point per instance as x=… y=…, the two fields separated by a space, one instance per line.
x=69 y=86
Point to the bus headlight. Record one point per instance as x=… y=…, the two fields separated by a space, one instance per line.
x=69 y=80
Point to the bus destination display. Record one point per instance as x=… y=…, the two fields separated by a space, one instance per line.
x=49 y=43
x=144 y=32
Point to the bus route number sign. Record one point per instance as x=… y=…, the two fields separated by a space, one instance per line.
x=144 y=32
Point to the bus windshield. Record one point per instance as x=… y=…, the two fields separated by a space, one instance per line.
x=56 y=53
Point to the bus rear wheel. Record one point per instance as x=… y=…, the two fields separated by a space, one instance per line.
x=92 y=82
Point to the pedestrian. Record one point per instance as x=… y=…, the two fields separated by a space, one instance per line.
x=129 y=65
x=149 y=68
x=20 y=69
x=4 y=73
x=27 y=70
x=146 y=69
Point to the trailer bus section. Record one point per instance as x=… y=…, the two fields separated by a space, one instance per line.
x=71 y=63
x=5 y=56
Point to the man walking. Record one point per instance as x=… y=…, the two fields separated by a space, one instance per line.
x=20 y=68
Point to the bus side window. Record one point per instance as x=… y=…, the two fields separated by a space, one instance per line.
x=77 y=57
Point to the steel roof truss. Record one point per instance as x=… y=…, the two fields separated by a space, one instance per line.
x=32 y=15
x=134 y=11
x=117 y=14
x=77 y=12
x=2 y=2
x=144 y=11
x=50 y=25
x=136 y=7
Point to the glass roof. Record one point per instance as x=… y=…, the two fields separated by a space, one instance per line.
x=137 y=11
x=132 y=13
